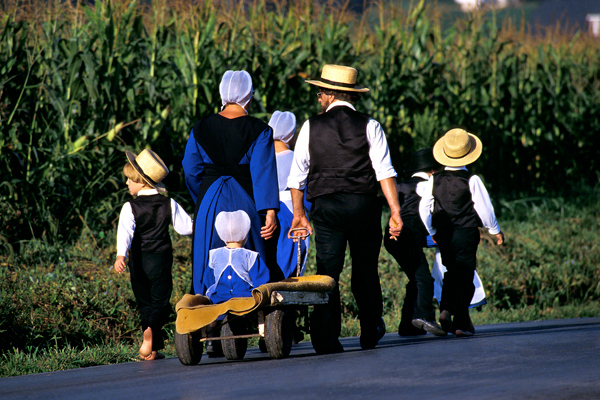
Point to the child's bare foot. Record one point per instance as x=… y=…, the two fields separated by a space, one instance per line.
x=146 y=349
x=154 y=355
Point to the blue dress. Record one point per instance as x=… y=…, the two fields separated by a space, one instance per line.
x=229 y=165
x=287 y=250
x=236 y=273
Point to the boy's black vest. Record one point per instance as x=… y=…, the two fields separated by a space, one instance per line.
x=152 y=216
x=339 y=154
x=454 y=207
x=409 y=206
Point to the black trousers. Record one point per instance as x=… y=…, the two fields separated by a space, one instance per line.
x=408 y=252
x=349 y=219
x=152 y=284
x=458 y=248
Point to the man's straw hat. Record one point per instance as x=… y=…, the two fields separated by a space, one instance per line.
x=150 y=166
x=338 y=77
x=457 y=148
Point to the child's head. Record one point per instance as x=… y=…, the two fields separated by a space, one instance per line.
x=149 y=167
x=423 y=161
x=457 y=148
x=233 y=227
x=284 y=126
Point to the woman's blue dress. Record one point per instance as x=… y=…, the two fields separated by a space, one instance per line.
x=287 y=250
x=241 y=144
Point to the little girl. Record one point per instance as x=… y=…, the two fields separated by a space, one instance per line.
x=236 y=270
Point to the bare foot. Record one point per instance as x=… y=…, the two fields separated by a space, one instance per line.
x=146 y=349
x=446 y=321
x=154 y=355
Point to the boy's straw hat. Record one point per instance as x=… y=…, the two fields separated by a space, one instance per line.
x=150 y=166
x=338 y=77
x=457 y=148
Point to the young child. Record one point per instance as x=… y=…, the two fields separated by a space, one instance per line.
x=453 y=206
x=284 y=126
x=418 y=313
x=143 y=236
x=236 y=270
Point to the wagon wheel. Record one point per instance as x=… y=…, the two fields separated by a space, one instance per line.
x=188 y=347
x=234 y=349
x=279 y=333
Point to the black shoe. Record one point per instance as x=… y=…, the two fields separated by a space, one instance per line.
x=405 y=329
x=368 y=340
x=430 y=326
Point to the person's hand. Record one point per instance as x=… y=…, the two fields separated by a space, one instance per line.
x=395 y=225
x=120 y=264
x=266 y=232
x=500 y=237
x=299 y=222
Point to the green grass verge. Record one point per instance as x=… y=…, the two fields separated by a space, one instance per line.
x=63 y=307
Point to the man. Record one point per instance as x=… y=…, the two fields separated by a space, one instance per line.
x=339 y=157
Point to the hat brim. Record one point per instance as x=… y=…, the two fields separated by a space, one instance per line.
x=473 y=154
x=131 y=158
x=335 y=87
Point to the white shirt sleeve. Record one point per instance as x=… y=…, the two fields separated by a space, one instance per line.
x=182 y=223
x=483 y=204
x=425 y=190
x=301 y=162
x=125 y=230
x=379 y=152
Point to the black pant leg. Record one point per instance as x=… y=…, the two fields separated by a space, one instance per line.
x=408 y=253
x=152 y=285
x=330 y=245
x=364 y=239
x=459 y=256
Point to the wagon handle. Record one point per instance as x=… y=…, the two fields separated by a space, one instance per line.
x=307 y=234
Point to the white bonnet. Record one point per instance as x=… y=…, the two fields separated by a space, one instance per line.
x=284 y=125
x=236 y=87
x=232 y=226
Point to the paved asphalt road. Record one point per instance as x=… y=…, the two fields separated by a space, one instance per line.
x=557 y=359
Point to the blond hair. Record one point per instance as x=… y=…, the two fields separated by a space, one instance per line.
x=132 y=174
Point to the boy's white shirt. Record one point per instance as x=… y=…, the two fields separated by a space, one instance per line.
x=481 y=200
x=181 y=221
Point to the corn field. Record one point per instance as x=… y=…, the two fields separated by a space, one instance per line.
x=80 y=84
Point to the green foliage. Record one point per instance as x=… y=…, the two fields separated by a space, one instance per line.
x=79 y=84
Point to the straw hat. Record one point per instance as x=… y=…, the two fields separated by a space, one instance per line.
x=149 y=165
x=338 y=77
x=457 y=148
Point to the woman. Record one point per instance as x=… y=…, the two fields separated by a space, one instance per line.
x=284 y=127
x=229 y=165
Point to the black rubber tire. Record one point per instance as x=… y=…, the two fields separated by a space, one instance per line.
x=279 y=333
x=233 y=349
x=188 y=348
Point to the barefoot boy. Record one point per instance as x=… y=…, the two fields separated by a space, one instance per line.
x=143 y=236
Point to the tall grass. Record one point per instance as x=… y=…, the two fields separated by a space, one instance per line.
x=79 y=84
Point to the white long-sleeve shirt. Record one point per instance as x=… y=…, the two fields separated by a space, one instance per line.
x=481 y=199
x=379 y=152
x=181 y=221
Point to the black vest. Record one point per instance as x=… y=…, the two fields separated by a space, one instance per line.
x=409 y=206
x=339 y=154
x=454 y=206
x=152 y=216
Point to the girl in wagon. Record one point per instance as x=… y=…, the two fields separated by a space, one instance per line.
x=236 y=270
